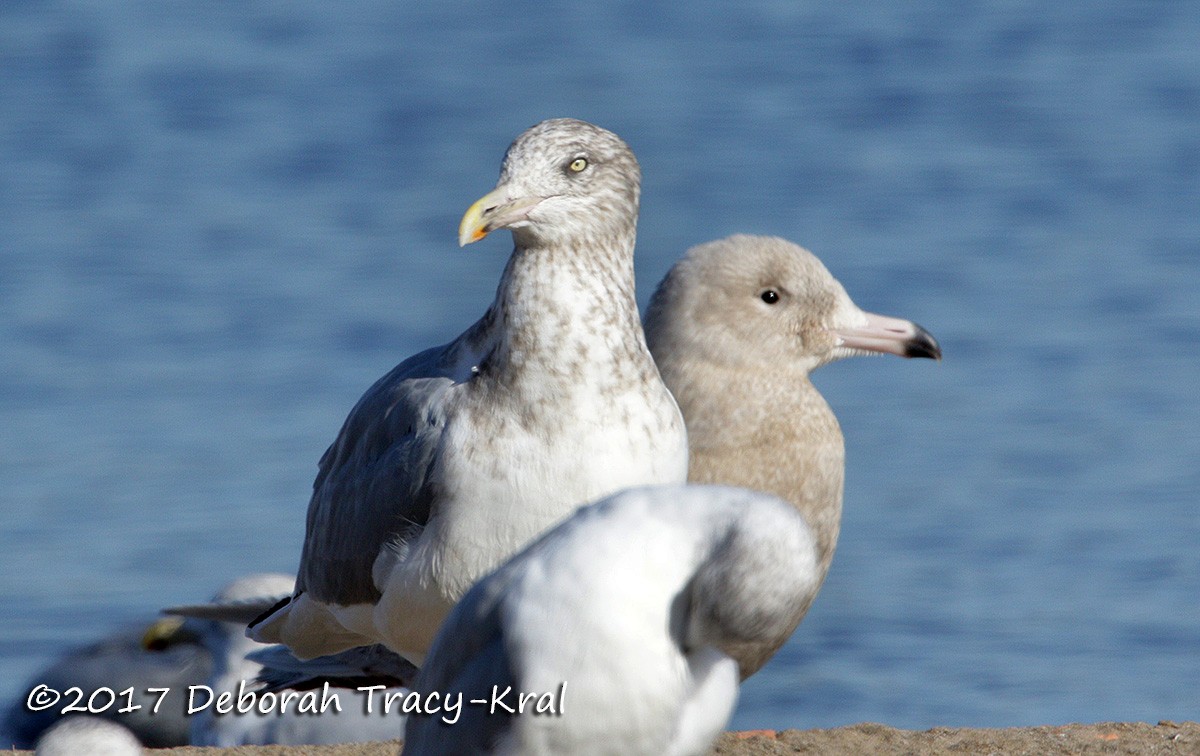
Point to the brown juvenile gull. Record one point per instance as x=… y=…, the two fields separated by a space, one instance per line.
x=736 y=327
x=464 y=453
x=623 y=623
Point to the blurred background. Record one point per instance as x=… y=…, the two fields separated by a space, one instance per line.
x=221 y=221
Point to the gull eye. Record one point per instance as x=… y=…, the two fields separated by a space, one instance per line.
x=770 y=296
x=578 y=165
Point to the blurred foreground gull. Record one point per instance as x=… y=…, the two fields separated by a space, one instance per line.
x=624 y=623
x=88 y=736
x=464 y=453
x=234 y=672
x=736 y=327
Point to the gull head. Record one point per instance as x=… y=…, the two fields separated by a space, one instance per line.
x=748 y=300
x=563 y=182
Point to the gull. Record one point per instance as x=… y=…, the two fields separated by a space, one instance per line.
x=620 y=627
x=465 y=452
x=219 y=627
x=131 y=658
x=736 y=326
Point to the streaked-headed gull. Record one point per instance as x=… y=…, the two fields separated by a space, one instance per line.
x=464 y=453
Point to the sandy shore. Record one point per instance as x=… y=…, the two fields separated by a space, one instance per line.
x=1106 y=738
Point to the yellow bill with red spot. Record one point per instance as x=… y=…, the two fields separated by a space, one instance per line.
x=494 y=210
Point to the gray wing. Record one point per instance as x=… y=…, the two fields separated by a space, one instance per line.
x=373 y=485
x=365 y=665
x=237 y=612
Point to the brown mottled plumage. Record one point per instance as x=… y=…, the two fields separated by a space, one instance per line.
x=465 y=452
x=736 y=327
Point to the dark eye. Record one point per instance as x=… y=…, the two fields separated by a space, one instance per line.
x=578 y=165
x=770 y=296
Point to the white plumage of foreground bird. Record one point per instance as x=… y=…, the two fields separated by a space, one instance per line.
x=624 y=622
x=88 y=736
x=736 y=327
x=464 y=453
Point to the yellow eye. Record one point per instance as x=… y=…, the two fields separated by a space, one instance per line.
x=578 y=164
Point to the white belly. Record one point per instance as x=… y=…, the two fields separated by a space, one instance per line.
x=502 y=492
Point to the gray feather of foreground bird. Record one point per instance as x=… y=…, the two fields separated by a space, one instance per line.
x=465 y=452
x=622 y=624
x=736 y=327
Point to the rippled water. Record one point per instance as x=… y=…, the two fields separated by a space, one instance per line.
x=220 y=222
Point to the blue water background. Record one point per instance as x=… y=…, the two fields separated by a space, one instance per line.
x=221 y=221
